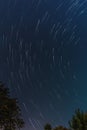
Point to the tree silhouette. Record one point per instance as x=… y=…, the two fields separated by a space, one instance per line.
x=79 y=120
x=47 y=127
x=10 y=113
x=60 y=128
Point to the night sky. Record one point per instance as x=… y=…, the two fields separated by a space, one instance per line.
x=43 y=58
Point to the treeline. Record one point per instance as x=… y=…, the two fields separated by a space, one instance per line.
x=11 y=118
x=78 y=122
x=10 y=112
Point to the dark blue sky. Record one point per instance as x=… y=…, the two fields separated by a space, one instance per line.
x=43 y=58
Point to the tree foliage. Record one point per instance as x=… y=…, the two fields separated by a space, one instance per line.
x=47 y=127
x=10 y=113
x=79 y=120
x=60 y=128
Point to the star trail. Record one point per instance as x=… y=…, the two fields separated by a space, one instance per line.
x=43 y=58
